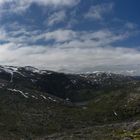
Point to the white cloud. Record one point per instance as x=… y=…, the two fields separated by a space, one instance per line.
x=71 y=59
x=68 y=38
x=55 y=18
x=17 y=5
x=74 y=51
x=8 y=7
x=2 y=34
x=72 y=38
x=98 y=12
x=130 y=25
x=60 y=35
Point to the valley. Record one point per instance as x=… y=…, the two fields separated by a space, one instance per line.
x=40 y=104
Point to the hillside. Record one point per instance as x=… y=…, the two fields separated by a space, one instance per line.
x=41 y=104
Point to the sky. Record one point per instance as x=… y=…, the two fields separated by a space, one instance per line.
x=71 y=35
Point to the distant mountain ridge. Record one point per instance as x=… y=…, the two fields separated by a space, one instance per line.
x=60 y=84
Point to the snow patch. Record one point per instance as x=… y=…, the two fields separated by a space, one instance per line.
x=115 y=113
x=18 y=91
x=50 y=98
x=43 y=97
x=34 y=97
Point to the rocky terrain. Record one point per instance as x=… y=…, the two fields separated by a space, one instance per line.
x=40 y=104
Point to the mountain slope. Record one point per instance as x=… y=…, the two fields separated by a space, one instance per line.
x=72 y=86
x=36 y=103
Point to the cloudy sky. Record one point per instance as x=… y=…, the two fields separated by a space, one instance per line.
x=70 y=35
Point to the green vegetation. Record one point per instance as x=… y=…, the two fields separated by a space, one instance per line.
x=30 y=118
x=77 y=107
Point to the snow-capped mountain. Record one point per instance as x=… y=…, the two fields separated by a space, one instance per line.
x=65 y=86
